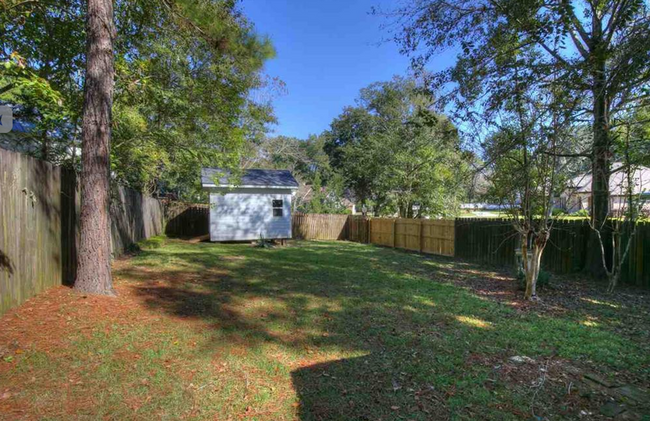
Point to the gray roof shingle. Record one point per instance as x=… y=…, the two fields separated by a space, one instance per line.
x=252 y=177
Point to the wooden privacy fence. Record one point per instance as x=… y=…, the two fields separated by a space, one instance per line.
x=39 y=204
x=434 y=236
x=358 y=229
x=494 y=241
x=319 y=226
x=491 y=241
x=187 y=220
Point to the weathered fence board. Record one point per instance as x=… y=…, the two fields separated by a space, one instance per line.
x=39 y=204
x=319 y=226
x=382 y=231
x=434 y=236
x=487 y=240
x=134 y=217
x=187 y=220
x=359 y=229
x=30 y=234
x=438 y=236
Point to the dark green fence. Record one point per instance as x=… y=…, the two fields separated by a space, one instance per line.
x=187 y=219
x=494 y=241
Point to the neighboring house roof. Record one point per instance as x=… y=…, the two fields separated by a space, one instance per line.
x=250 y=178
x=617 y=181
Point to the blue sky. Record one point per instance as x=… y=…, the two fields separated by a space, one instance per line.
x=326 y=52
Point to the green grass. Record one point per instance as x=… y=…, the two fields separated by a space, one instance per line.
x=331 y=331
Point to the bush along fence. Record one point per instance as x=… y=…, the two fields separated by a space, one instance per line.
x=39 y=205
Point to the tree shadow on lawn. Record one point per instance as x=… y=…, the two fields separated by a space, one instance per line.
x=395 y=344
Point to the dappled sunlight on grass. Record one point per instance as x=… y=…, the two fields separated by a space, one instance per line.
x=601 y=303
x=474 y=322
x=321 y=330
x=425 y=301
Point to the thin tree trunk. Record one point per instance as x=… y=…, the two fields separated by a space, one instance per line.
x=94 y=270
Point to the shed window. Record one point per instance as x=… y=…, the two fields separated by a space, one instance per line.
x=277 y=208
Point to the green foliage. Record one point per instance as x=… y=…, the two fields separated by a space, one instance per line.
x=595 y=52
x=541 y=41
x=321 y=189
x=631 y=137
x=185 y=71
x=316 y=204
x=582 y=213
x=395 y=152
x=152 y=243
x=325 y=200
x=558 y=212
x=304 y=158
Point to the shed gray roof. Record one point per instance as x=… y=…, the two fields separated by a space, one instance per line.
x=250 y=178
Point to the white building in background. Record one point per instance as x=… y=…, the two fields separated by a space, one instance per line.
x=259 y=205
x=578 y=194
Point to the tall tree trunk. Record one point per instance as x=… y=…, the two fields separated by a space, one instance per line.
x=600 y=171
x=94 y=270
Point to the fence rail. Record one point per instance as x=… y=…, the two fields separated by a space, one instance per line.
x=39 y=233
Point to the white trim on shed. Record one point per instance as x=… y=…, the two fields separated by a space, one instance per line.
x=259 y=208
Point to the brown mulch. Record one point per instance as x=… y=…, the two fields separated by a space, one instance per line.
x=46 y=321
x=566 y=294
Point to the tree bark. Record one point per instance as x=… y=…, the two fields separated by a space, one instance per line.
x=94 y=270
x=600 y=169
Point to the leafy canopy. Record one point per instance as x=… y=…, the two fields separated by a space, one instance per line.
x=185 y=71
x=396 y=153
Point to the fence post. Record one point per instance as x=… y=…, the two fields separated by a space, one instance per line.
x=394 y=229
x=421 y=236
x=367 y=228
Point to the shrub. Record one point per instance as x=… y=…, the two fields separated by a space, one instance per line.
x=581 y=212
x=543 y=279
x=558 y=212
x=150 y=243
x=264 y=243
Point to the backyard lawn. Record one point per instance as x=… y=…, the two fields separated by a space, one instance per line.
x=322 y=331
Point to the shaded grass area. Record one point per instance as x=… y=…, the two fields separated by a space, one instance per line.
x=312 y=331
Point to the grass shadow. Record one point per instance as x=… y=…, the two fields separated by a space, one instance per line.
x=371 y=333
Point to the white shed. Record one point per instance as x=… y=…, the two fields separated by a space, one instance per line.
x=258 y=206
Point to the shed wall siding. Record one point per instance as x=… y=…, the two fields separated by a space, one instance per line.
x=248 y=214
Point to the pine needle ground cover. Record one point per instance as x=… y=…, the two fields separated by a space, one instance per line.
x=321 y=331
